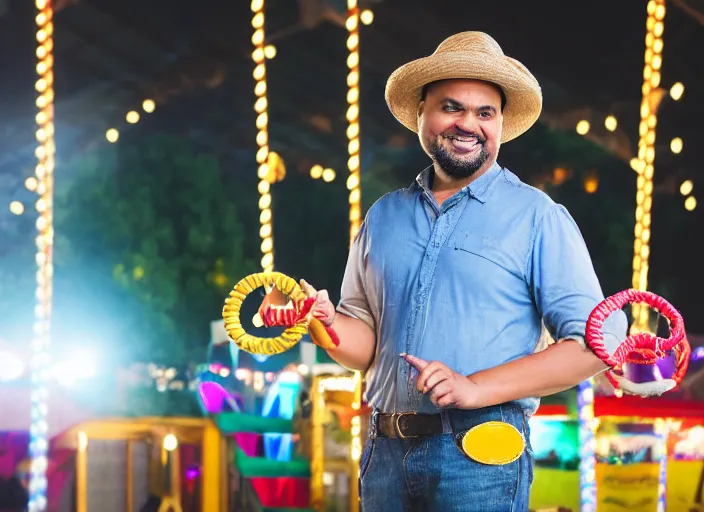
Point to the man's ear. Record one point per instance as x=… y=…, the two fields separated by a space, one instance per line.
x=421 y=107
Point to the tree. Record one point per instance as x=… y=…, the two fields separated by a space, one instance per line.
x=148 y=244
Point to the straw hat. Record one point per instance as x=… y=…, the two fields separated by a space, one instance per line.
x=471 y=55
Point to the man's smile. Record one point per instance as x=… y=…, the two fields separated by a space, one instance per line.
x=464 y=144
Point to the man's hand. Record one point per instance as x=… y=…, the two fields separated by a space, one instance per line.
x=323 y=309
x=446 y=387
x=276 y=309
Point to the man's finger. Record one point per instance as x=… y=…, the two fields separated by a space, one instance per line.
x=433 y=380
x=307 y=288
x=416 y=362
x=432 y=368
x=448 y=400
x=440 y=390
x=422 y=379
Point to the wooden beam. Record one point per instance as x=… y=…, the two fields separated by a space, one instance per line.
x=212 y=464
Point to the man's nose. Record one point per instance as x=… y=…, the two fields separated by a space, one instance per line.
x=468 y=125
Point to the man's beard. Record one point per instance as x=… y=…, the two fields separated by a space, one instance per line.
x=456 y=167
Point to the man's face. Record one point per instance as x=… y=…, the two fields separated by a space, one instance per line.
x=459 y=125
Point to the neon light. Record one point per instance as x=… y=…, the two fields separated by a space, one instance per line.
x=587 y=446
x=44 y=171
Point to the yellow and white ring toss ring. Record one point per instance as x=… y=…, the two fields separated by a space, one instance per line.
x=254 y=344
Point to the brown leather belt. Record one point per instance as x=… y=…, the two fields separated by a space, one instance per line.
x=403 y=425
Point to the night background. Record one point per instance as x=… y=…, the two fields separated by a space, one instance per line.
x=156 y=207
x=153 y=230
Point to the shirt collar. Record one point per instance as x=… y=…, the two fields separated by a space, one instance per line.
x=479 y=188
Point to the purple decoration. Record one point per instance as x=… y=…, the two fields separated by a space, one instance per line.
x=667 y=366
x=192 y=473
x=663 y=369
x=213 y=396
x=698 y=354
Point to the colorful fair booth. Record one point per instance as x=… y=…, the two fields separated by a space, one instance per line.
x=644 y=448
x=337 y=438
x=165 y=463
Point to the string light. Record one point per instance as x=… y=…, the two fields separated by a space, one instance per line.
x=587 y=446
x=583 y=127
x=676 y=91
x=662 y=432
x=690 y=203
x=686 y=187
x=637 y=165
x=326 y=174
x=16 y=208
x=148 y=106
x=261 y=105
x=31 y=183
x=676 y=145
x=132 y=117
x=112 y=135
x=270 y=51
x=366 y=17
x=356 y=433
x=353 y=147
x=316 y=172
x=44 y=171
x=559 y=175
x=354 y=185
x=610 y=123
x=591 y=183
x=652 y=95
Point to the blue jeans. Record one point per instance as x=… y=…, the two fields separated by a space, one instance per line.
x=434 y=474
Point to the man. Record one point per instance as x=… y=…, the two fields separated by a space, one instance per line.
x=447 y=287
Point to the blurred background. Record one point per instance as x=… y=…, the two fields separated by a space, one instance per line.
x=154 y=228
x=157 y=208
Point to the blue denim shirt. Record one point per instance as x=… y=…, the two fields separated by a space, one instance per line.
x=473 y=283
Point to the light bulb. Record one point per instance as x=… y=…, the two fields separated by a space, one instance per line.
x=676 y=91
x=686 y=187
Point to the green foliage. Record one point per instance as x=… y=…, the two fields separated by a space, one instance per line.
x=311 y=229
x=148 y=245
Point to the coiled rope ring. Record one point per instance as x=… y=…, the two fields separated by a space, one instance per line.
x=640 y=348
x=255 y=344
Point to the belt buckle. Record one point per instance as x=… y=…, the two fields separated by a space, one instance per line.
x=396 y=417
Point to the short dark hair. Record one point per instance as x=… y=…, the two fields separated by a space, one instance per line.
x=424 y=92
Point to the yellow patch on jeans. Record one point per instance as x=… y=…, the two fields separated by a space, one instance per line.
x=493 y=442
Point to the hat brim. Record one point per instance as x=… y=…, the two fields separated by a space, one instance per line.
x=524 y=98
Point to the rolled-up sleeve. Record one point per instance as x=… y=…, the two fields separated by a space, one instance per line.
x=563 y=281
x=353 y=296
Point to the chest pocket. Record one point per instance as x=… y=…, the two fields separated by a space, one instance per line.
x=490 y=251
